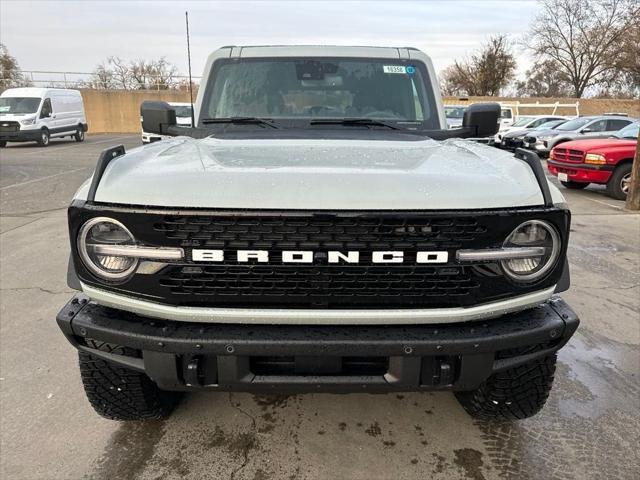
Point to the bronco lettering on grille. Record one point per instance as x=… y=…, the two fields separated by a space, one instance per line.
x=308 y=256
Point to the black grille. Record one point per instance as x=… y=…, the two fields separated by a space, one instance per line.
x=9 y=126
x=327 y=283
x=337 y=233
x=320 y=284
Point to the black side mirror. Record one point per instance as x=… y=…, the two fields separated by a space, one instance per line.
x=483 y=118
x=45 y=114
x=157 y=117
x=586 y=130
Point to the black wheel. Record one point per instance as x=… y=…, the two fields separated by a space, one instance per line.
x=43 y=141
x=513 y=394
x=575 y=185
x=118 y=393
x=3 y=143
x=79 y=135
x=618 y=184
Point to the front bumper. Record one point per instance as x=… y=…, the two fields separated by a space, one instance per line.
x=293 y=358
x=580 y=172
x=20 y=136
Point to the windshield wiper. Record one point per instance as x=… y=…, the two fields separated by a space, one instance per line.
x=355 y=121
x=241 y=121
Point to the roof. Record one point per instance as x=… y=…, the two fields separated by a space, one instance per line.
x=251 y=51
x=33 y=91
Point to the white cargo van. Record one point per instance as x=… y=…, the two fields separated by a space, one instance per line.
x=39 y=114
x=183 y=118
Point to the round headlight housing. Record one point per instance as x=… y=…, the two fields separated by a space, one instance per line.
x=538 y=235
x=103 y=231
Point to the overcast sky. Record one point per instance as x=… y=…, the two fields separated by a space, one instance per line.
x=76 y=35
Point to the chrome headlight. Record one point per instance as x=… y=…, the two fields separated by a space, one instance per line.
x=95 y=241
x=28 y=121
x=543 y=241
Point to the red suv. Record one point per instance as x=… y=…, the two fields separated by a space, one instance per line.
x=605 y=161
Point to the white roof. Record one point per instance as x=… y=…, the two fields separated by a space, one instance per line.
x=34 y=91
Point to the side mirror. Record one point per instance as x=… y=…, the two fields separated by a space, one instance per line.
x=586 y=130
x=157 y=117
x=483 y=118
x=45 y=114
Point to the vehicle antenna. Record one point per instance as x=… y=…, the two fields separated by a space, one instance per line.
x=193 y=118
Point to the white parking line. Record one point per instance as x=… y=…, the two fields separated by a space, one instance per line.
x=53 y=150
x=43 y=178
x=604 y=203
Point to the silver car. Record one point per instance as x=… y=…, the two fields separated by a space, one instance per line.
x=600 y=126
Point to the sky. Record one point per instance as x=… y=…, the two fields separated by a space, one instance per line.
x=75 y=36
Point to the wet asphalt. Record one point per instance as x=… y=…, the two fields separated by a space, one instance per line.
x=590 y=428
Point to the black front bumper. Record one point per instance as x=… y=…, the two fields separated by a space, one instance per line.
x=279 y=358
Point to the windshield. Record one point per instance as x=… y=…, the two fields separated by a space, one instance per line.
x=454 y=112
x=505 y=113
x=630 y=131
x=574 y=124
x=19 y=105
x=183 y=111
x=550 y=125
x=522 y=121
x=295 y=89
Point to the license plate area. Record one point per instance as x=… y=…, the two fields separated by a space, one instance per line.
x=563 y=177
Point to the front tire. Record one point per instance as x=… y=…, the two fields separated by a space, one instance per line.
x=79 y=135
x=513 y=394
x=3 y=143
x=618 y=184
x=43 y=141
x=118 y=393
x=575 y=185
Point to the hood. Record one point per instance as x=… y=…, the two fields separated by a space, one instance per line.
x=15 y=117
x=608 y=144
x=318 y=174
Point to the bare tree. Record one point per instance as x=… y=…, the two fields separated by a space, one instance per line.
x=582 y=37
x=137 y=74
x=544 y=79
x=486 y=72
x=10 y=73
x=101 y=78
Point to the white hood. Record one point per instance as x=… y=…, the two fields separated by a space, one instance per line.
x=319 y=174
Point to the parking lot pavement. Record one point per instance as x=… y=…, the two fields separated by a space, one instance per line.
x=590 y=428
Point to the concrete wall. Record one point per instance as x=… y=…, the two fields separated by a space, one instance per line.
x=118 y=111
x=588 y=106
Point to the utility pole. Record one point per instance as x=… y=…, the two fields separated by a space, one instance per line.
x=633 y=197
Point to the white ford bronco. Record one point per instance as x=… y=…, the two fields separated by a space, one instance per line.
x=318 y=229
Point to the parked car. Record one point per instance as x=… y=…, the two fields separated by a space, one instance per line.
x=313 y=238
x=454 y=114
x=524 y=122
x=514 y=139
x=604 y=161
x=183 y=118
x=39 y=114
x=582 y=127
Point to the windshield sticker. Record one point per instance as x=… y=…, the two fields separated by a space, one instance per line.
x=5 y=108
x=394 y=69
x=411 y=70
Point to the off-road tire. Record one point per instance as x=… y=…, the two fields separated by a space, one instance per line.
x=575 y=185
x=614 y=185
x=118 y=393
x=79 y=135
x=513 y=394
x=45 y=138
